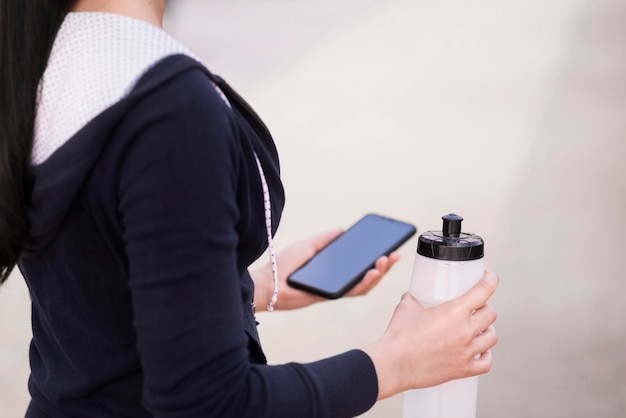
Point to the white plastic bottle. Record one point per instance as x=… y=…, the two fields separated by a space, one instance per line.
x=447 y=264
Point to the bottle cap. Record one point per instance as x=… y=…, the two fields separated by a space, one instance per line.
x=450 y=243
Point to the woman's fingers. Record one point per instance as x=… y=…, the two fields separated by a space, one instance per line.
x=375 y=275
x=369 y=281
x=482 y=364
x=483 y=318
x=484 y=341
x=479 y=294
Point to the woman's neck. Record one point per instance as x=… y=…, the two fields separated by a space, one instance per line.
x=150 y=11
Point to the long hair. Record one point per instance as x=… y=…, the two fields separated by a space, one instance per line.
x=27 y=32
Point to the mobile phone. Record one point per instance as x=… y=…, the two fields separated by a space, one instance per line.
x=339 y=266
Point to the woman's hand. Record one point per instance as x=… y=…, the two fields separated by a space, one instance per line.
x=295 y=256
x=424 y=347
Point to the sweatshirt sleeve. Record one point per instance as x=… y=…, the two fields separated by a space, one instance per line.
x=177 y=204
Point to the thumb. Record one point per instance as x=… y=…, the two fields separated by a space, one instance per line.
x=478 y=295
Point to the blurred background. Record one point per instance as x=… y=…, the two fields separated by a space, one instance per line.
x=511 y=113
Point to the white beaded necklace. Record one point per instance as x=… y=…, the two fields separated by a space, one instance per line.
x=268 y=225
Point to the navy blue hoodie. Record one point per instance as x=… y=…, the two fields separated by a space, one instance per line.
x=143 y=225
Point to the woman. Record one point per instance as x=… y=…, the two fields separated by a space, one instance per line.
x=137 y=188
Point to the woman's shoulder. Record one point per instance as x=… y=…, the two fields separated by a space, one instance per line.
x=96 y=61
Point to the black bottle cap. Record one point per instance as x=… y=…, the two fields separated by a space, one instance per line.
x=450 y=243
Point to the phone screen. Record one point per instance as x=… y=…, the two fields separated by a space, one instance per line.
x=342 y=264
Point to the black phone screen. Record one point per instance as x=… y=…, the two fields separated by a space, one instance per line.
x=342 y=264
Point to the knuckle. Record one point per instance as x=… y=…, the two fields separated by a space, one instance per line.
x=493 y=315
x=482 y=366
x=456 y=307
x=486 y=368
x=494 y=339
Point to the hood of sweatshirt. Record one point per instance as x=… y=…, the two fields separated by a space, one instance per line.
x=56 y=181
x=82 y=101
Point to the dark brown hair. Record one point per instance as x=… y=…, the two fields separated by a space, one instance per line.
x=27 y=32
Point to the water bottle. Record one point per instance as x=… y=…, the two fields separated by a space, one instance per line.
x=447 y=264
